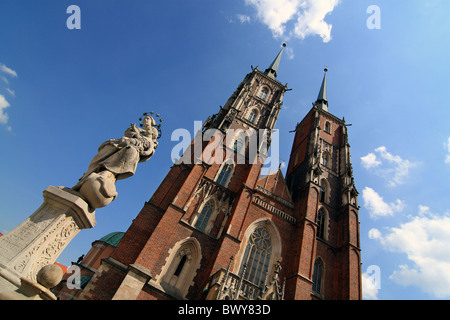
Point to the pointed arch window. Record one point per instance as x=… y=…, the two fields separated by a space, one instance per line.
x=321 y=224
x=256 y=257
x=181 y=267
x=317 y=276
x=205 y=215
x=225 y=173
x=327 y=127
x=324 y=191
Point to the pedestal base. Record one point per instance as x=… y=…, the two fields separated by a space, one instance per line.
x=41 y=238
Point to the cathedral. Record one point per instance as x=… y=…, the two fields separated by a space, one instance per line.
x=222 y=230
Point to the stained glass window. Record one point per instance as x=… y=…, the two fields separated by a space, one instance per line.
x=257 y=257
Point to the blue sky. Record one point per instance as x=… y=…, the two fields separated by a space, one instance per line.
x=63 y=92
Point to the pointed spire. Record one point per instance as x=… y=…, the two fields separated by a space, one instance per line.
x=322 y=101
x=273 y=68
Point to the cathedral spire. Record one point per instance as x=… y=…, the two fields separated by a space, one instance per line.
x=322 y=101
x=273 y=68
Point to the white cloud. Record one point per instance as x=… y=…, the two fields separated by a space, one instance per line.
x=424 y=239
x=401 y=167
x=11 y=92
x=312 y=20
x=374 y=234
x=243 y=18
x=377 y=206
x=8 y=71
x=289 y=52
x=370 y=161
x=391 y=167
x=308 y=17
x=447 y=147
x=3 y=105
x=424 y=210
x=5 y=80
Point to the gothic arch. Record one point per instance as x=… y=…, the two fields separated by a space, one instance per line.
x=225 y=173
x=181 y=267
x=325 y=188
x=264 y=92
x=276 y=244
x=318 y=276
x=322 y=223
x=253 y=114
x=212 y=202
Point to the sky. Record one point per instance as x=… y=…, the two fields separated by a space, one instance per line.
x=64 y=91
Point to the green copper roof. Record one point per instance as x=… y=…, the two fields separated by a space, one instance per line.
x=113 y=238
x=84 y=280
x=273 y=68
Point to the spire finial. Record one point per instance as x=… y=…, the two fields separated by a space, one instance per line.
x=273 y=68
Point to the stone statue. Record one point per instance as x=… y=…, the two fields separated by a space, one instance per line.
x=117 y=159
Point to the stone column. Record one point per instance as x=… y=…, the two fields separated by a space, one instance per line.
x=133 y=283
x=41 y=238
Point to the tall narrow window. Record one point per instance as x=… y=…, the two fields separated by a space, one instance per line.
x=257 y=257
x=317 y=276
x=321 y=224
x=252 y=116
x=322 y=194
x=324 y=191
x=205 y=215
x=263 y=93
x=180 y=266
x=325 y=159
x=224 y=174
x=238 y=144
x=327 y=127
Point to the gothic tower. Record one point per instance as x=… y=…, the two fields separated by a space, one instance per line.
x=320 y=179
x=216 y=229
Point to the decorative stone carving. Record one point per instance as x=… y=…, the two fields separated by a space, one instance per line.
x=41 y=238
x=48 y=277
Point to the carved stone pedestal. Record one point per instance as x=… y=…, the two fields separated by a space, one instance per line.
x=41 y=238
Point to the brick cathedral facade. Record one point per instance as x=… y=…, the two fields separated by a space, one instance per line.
x=218 y=230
